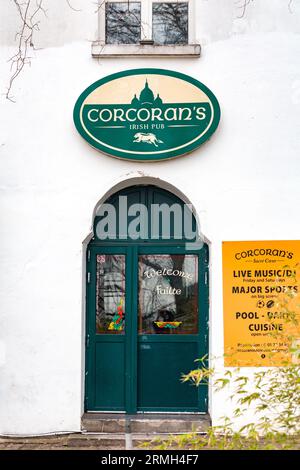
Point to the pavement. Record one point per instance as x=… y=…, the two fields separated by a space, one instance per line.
x=76 y=441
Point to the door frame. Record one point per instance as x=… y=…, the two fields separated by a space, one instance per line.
x=130 y=338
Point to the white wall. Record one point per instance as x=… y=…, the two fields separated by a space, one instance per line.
x=215 y=20
x=244 y=182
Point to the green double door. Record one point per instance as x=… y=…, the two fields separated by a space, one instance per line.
x=146 y=325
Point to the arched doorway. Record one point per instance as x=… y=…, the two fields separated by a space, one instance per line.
x=147 y=304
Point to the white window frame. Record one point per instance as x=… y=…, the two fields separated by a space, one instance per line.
x=101 y=49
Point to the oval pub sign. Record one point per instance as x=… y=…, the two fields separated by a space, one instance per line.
x=146 y=114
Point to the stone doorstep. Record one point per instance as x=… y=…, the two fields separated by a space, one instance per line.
x=96 y=422
x=107 y=432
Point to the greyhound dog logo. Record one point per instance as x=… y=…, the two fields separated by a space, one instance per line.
x=147 y=138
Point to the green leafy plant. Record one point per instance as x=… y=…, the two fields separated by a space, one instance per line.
x=272 y=394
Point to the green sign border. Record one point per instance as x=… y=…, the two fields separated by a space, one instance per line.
x=147 y=71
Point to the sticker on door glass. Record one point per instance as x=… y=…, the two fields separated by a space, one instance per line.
x=110 y=294
x=118 y=320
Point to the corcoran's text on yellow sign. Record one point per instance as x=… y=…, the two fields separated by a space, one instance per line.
x=261 y=302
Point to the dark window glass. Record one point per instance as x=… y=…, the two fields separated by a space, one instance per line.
x=168 y=294
x=123 y=22
x=170 y=23
x=110 y=294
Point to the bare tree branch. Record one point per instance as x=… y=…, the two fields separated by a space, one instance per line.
x=243 y=6
x=71 y=6
x=100 y=4
x=29 y=13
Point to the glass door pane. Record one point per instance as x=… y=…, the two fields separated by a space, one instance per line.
x=168 y=294
x=110 y=294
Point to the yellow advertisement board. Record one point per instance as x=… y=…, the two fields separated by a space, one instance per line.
x=261 y=302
